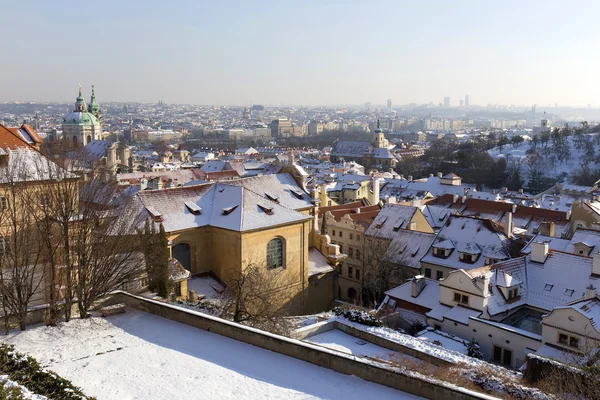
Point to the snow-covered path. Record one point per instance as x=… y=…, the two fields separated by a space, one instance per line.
x=141 y=356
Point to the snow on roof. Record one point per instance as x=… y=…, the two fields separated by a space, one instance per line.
x=176 y=271
x=432 y=185
x=215 y=165
x=428 y=298
x=555 y=353
x=408 y=247
x=504 y=279
x=461 y=314
x=553 y=243
x=391 y=218
x=245 y=209
x=560 y=280
x=96 y=148
x=588 y=237
x=349 y=148
x=436 y=215
x=284 y=186
x=25 y=164
x=591 y=310
x=438 y=312
x=465 y=233
x=317 y=263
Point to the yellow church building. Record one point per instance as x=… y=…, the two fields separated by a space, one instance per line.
x=221 y=228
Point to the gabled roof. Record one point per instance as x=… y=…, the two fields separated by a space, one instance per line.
x=349 y=148
x=408 y=247
x=227 y=205
x=25 y=162
x=561 y=279
x=470 y=234
x=391 y=218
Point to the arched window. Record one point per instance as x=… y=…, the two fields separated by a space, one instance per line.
x=74 y=141
x=275 y=253
x=89 y=139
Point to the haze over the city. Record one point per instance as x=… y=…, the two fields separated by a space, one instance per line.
x=303 y=53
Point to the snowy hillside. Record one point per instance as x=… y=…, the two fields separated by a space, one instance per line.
x=557 y=161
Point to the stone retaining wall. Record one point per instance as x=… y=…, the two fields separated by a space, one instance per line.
x=380 y=373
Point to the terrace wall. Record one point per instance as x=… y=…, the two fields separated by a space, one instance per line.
x=380 y=373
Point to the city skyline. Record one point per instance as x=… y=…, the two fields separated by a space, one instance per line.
x=304 y=53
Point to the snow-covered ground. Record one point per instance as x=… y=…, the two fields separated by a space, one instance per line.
x=7 y=383
x=340 y=341
x=141 y=356
x=205 y=285
x=444 y=340
x=552 y=169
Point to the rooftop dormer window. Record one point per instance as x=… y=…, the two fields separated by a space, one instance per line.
x=441 y=253
x=548 y=287
x=468 y=258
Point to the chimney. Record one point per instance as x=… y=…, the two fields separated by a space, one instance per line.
x=375 y=182
x=514 y=208
x=520 y=191
x=504 y=190
x=463 y=199
x=439 y=174
x=410 y=178
x=508 y=224
x=417 y=285
x=484 y=282
x=431 y=175
x=454 y=198
x=547 y=228
x=590 y=292
x=596 y=264
x=539 y=252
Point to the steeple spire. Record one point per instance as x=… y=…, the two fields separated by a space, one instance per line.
x=378 y=124
x=80 y=102
x=93 y=107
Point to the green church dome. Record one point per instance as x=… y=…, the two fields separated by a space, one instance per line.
x=80 y=114
x=80 y=118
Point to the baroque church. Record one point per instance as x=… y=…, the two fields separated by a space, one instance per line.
x=372 y=155
x=84 y=124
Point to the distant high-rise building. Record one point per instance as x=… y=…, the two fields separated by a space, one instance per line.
x=367 y=105
x=461 y=103
x=389 y=104
x=447 y=101
x=466 y=100
x=533 y=108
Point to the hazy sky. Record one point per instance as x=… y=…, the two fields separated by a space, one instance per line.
x=302 y=52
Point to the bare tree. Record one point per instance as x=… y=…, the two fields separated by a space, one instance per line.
x=21 y=272
x=106 y=251
x=576 y=376
x=385 y=267
x=256 y=297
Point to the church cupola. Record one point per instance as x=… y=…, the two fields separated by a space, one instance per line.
x=80 y=103
x=93 y=107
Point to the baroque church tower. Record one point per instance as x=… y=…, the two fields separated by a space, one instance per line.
x=379 y=140
x=82 y=125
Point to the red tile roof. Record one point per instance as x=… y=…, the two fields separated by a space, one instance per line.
x=10 y=137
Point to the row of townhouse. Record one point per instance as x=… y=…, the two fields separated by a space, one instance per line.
x=544 y=302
